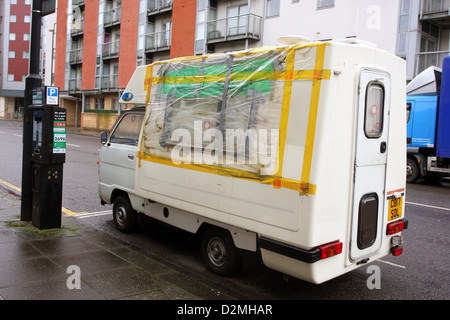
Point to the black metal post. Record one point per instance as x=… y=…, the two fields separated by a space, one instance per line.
x=33 y=80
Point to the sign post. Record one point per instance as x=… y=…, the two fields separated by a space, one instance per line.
x=47 y=157
x=33 y=80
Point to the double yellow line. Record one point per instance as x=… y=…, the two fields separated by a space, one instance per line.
x=65 y=210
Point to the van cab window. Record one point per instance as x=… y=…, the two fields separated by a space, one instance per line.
x=127 y=131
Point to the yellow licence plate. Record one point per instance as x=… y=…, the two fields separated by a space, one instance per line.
x=395 y=208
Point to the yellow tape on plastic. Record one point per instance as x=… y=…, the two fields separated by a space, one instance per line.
x=312 y=120
x=288 y=75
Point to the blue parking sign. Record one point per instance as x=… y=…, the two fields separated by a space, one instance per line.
x=52 y=95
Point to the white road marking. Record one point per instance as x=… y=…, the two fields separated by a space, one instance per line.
x=428 y=206
x=93 y=214
x=392 y=264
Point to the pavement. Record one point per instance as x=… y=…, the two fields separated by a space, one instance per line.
x=78 y=262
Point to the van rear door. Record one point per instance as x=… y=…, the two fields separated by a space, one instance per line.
x=370 y=163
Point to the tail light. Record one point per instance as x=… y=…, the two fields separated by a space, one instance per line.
x=330 y=249
x=396 y=251
x=396 y=226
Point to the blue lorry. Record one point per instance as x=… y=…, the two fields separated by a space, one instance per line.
x=428 y=129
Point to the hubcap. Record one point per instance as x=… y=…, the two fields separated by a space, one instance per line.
x=121 y=215
x=409 y=170
x=216 y=252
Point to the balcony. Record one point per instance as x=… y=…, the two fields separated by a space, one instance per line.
x=437 y=11
x=158 y=6
x=425 y=60
x=77 y=27
x=158 y=41
x=107 y=82
x=78 y=2
x=110 y=50
x=75 y=85
x=76 y=56
x=246 y=26
x=112 y=16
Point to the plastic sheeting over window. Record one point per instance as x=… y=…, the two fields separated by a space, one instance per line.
x=229 y=111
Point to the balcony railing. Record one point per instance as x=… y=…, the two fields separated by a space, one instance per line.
x=110 y=49
x=437 y=11
x=246 y=26
x=158 y=41
x=76 y=56
x=435 y=6
x=156 y=6
x=75 y=85
x=77 y=2
x=108 y=82
x=425 y=60
x=112 y=16
x=77 y=27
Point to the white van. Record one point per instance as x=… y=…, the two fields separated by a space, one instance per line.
x=297 y=152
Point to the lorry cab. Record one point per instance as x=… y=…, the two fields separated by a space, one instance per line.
x=428 y=105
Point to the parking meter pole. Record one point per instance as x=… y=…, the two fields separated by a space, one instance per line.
x=33 y=80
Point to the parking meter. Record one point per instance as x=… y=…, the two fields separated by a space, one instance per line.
x=48 y=155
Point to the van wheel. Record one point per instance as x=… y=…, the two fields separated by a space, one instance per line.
x=412 y=170
x=219 y=252
x=125 y=218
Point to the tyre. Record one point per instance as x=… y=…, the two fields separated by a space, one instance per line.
x=219 y=253
x=125 y=217
x=412 y=170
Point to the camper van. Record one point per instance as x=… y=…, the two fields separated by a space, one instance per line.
x=296 y=152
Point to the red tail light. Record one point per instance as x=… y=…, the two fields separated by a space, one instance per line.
x=330 y=249
x=396 y=251
x=396 y=226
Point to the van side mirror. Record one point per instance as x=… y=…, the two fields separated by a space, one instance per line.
x=103 y=137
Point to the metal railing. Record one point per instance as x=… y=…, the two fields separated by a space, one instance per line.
x=425 y=60
x=75 y=85
x=158 y=5
x=246 y=26
x=158 y=40
x=107 y=82
x=76 y=55
x=77 y=2
x=434 y=6
x=77 y=27
x=110 y=49
x=112 y=16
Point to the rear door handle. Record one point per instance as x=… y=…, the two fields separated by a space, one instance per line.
x=131 y=156
x=383 y=147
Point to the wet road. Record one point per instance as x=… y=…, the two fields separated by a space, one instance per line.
x=420 y=273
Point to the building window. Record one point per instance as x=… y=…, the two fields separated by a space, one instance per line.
x=402 y=42
x=99 y=103
x=273 y=8
x=325 y=3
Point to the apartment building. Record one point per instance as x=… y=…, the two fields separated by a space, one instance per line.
x=423 y=34
x=99 y=43
x=15 y=24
